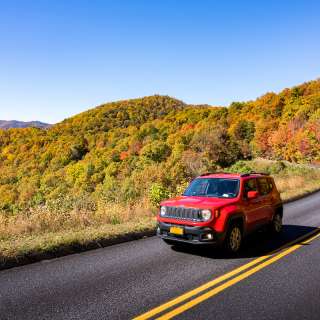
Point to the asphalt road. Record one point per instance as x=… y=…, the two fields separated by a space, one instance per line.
x=129 y=279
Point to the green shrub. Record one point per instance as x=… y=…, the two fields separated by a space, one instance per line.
x=157 y=193
x=276 y=168
x=240 y=167
x=156 y=151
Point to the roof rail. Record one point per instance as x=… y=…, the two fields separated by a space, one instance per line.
x=242 y=175
x=245 y=175
x=262 y=173
x=254 y=172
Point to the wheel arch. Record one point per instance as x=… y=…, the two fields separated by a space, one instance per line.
x=279 y=209
x=237 y=217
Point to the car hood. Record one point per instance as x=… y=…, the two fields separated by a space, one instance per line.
x=197 y=202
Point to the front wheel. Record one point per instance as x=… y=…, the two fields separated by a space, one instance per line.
x=233 y=239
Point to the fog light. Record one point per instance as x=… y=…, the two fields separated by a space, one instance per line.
x=208 y=236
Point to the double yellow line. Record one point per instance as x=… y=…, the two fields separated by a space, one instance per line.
x=237 y=275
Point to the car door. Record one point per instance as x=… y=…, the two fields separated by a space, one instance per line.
x=252 y=207
x=266 y=199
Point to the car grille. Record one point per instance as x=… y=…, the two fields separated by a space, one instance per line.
x=183 y=213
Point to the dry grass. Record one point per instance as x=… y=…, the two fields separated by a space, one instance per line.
x=19 y=246
x=294 y=186
x=42 y=220
x=43 y=230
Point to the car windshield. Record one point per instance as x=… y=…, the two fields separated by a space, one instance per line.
x=213 y=187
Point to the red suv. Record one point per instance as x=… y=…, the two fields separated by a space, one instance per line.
x=221 y=208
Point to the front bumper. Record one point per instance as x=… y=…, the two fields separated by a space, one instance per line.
x=191 y=234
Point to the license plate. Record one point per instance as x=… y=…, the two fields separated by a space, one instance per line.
x=176 y=230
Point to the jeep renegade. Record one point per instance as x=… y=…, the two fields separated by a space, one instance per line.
x=221 y=208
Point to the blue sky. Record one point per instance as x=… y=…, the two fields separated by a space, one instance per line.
x=58 y=58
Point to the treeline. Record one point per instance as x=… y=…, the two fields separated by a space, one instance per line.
x=120 y=151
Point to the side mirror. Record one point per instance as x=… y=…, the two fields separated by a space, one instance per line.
x=252 y=194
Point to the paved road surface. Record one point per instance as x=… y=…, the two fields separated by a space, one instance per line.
x=129 y=279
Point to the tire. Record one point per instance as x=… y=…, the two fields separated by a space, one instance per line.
x=233 y=239
x=276 y=224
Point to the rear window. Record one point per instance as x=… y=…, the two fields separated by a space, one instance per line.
x=213 y=187
x=271 y=183
x=265 y=186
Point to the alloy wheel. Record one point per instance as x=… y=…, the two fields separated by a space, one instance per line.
x=235 y=239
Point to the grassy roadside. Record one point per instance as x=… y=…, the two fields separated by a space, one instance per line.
x=31 y=248
x=41 y=234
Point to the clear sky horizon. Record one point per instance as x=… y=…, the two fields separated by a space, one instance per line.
x=59 y=58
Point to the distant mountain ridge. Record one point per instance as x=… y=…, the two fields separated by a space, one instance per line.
x=7 y=124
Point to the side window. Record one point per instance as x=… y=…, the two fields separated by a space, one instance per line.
x=250 y=185
x=264 y=186
x=270 y=181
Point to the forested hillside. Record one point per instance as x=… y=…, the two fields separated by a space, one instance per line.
x=122 y=151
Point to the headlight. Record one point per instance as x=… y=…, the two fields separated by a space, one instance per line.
x=205 y=214
x=163 y=211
